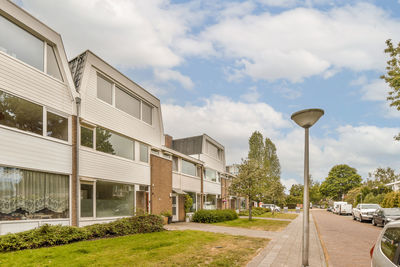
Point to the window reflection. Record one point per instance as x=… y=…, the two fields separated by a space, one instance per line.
x=57 y=126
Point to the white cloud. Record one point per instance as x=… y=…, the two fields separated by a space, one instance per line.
x=279 y=3
x=230 y=122
x=124 y=33
x=303 y=42
x=172 y=75
x=288 y=183
x=375 y=90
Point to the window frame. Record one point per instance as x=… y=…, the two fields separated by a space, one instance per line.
x=45 y=109
x=116 y=86
x=31 y=32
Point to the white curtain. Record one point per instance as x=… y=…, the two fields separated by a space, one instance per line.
x=32 y=191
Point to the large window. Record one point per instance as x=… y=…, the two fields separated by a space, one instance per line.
x=144 y=153
x=210 y=202
x=122 y=100
x=52 y=65
x=86 y=137
x=127 y=103
x=104 y=89
x=147 y=113
x=115 y=144
x=20 y=113
x=22 y=45
x=26 y=195
x=211 y=175
x=188 y=168
x=114 y=199
x=57 y=126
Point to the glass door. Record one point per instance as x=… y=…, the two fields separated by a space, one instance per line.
x=175 y=210
x=87 y=200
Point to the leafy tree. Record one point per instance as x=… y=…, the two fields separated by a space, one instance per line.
x=297 y=190
x=103 y=141
x=341 y=179
x=392 y=77
x=256 y=147
x=315 y=194
x=391 y=200
x=271 y=160
x=249 y=183
x=188 y=203
x=382 y=176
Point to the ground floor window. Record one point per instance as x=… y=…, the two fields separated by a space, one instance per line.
x=210 y=202
x=27 y=195
x=114 y=199
x=87 y=200
x=194 y=198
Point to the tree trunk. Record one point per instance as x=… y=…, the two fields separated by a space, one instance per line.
x=250 y=208
x=273 y=209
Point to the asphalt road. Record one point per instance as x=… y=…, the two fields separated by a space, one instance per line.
x=347 y=242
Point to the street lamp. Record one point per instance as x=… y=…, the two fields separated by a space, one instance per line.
x=306 y=118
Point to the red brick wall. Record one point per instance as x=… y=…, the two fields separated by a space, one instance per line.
x=161 y=185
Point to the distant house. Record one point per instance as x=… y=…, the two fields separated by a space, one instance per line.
x=395 y=185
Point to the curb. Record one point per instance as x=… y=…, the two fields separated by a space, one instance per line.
x=327 y=261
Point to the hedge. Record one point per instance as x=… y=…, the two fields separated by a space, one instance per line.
x=52 y=235
x=213 y=216
x=254 y=211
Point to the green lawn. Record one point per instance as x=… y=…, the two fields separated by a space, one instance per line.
x=168 y=248
x=256 y=224
x=278 y=215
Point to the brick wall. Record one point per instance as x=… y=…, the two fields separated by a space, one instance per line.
x=181 y=206
x=168 y=141
x=161 y=185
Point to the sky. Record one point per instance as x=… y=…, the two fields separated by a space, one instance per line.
x=229 y=68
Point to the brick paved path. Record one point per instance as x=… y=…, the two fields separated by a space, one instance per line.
x=347 y=242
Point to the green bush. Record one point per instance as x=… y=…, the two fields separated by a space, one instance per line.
x=213 y=216
x=51 y=235
x=254 y=211
x=391 y=200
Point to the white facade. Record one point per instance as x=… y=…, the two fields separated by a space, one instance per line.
x=129 y=168
x=26 y=86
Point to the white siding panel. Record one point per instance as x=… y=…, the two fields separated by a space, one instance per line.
x=95 y=164
x=212 y=188
x=213 y=163
x=186 y=183
x=19 y=226
x=29 y=83
x=103 y=114
x=27 y=151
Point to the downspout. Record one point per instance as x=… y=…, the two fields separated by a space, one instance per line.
x=78 y=108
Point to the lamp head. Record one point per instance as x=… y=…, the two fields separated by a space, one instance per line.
x=307 y=117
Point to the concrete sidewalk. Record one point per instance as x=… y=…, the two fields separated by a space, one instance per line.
x=285 y=248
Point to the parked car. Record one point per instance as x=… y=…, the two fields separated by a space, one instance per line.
x=364 y=212
x=384 y=216
x=329 y=209
x=271 y=207
x=386 y=251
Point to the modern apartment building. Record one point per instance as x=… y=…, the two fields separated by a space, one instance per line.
x=81 y=143
x=37 y=113
x=212 y=154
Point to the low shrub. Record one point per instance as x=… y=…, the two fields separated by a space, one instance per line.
x=254 y=211
x=51 y=235
x=213 y=216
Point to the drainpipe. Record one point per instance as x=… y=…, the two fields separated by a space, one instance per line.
x=78 y=108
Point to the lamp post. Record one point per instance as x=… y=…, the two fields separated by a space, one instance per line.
x=305 y=119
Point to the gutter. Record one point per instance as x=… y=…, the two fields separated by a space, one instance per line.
x=78 y=108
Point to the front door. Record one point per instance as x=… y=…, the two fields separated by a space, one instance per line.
x=175 y=210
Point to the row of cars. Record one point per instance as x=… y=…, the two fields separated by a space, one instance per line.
x=386 y=251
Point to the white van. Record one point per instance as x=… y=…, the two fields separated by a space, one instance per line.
x=345 y=209
x=337 y=205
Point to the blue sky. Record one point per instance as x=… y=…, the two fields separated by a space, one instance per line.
x=228 y=68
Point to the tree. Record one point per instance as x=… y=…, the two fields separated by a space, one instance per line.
x=382 y=176
x=315 y=194
x=249 y=183
x=392 y=77
x=256 y=147
x=297 y=190
x=341 y=179
x=271 y=160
